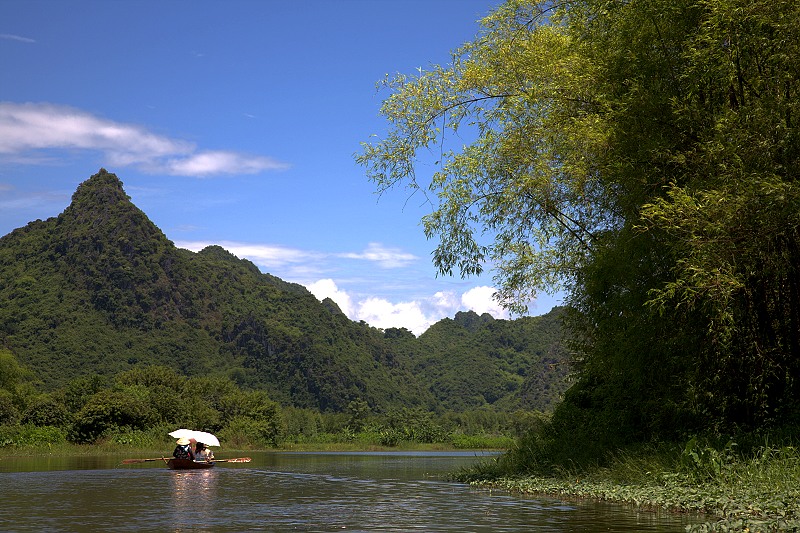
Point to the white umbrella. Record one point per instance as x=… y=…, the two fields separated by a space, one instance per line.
x=200 y=436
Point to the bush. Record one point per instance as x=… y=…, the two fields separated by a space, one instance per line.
x=481 y=442
x=8 y=412
x=417 y=425
x=109 y=411
x=301 y=424
x=46 y=411
x=153 y=438
x=243 y=431
x=30 y=435
x=390 y=437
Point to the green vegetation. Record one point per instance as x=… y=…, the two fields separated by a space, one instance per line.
x=645 y=157
x=100 y=291
x=139 y=407
x=470 y=362
x=751 y=489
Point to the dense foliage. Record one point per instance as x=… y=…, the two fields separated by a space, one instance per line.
x=645 y=155
x=471 y=362
x=725 y=488
x=140 y=406
x=99 y=292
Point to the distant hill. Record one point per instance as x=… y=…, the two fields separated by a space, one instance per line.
x=472 y=361
x=99 y=289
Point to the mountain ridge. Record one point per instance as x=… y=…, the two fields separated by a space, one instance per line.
x=100 y=289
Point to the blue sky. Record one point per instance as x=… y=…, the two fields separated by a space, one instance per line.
x=235 y=123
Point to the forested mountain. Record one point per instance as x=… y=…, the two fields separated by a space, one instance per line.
x=100 y=289
x=475 y=360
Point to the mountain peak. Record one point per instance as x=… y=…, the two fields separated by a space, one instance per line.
x=107 y=235
x=101 y=209
x=102 y=189
x=471 y=320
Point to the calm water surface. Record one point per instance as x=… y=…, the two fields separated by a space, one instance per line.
x=288 y=492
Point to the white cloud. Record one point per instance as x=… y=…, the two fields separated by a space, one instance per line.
x=36 y=126
x=383 y=256
x=218 y=162
x=326 y=288
x=380 y=313
x=262 y=255
x=445 y=300
x=41 y=126
x=416 y=315
x=481 y=300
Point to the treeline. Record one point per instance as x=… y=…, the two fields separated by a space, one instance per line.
x=140 y=406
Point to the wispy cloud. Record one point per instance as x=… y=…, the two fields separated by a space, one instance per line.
x=217 y=162
x=19 y=38
x=383 y=256
x=31 y=201
x=31 y=127
x=263 y=255
x=274 y=256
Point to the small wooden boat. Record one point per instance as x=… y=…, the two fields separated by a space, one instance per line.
x=188 y=464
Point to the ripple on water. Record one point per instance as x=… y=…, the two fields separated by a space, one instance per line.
x=297 y=493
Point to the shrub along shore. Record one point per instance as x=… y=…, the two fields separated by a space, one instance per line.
x=29 y=440
x=732 y=491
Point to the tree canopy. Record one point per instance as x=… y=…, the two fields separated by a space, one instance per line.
x=643 y=154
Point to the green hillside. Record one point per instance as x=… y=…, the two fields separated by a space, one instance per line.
x=473 y=361
x=99 y=289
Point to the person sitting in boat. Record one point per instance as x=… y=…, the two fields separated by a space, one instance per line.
x=203 y=453
x=183 y=449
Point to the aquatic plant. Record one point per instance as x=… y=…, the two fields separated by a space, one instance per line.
x=726 y=490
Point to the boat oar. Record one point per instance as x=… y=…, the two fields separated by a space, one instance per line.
x=236 y=460
x=130 y=461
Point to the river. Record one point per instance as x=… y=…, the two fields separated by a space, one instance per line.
x=285 y=491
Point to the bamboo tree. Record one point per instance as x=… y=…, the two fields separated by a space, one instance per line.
x=643 y=154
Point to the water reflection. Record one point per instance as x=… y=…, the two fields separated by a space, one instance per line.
x=194 y=495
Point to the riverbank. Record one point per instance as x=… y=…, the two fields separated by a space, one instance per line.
x=756 y=494
x=112 y=448
x=29 y=439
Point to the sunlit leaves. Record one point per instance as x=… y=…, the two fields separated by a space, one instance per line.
x=514 y=127
x=645 y=153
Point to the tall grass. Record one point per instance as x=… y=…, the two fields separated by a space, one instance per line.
x=744 y=490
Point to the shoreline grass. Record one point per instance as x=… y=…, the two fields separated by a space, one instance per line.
x=26 y=440
x=730 y=493
x=112 y=448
